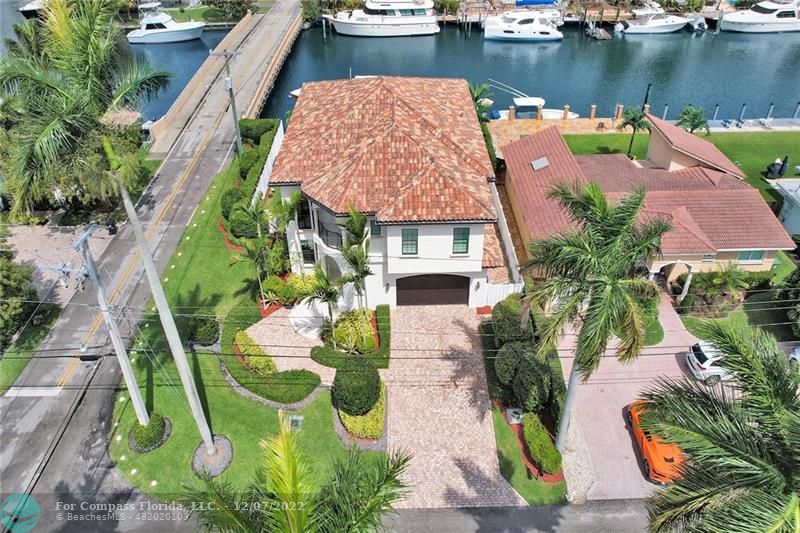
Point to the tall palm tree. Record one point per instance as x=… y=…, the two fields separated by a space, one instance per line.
x=356 y=226
x=589 y=277
x=481 y=93
x=731 y=279
x=284 y=498
x=692 y=119
x=326 y=291
x=258 y=215
x=635 y=119
x=256 y=254
x=357 y=259
x=68 y=73
x=741 y=442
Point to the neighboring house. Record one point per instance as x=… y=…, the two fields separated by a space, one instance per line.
x=408 y=153
x=790 y=210
x=716 y=218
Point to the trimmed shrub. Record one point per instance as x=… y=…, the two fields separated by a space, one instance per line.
x=531 y=385
x=759 y=281
x=356 y=386
x=253 y=128
x=298 y=287
x=265 y=142
x=508 y=360
x=229 y=199
x=370 y=424
x=253 y=175
x=241 y=225
x=204 y=330
x=558 y=389
x=540 y=445
x=497 y=391
x=288 y=386
x=248 y=158
x=149 y=436
x=278 y=260
x=353 y=332
x=506 y=317
x=275 y=290
x=329 y=356
x=255 y=357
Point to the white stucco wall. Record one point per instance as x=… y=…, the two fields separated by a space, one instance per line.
x=790 y=216
x=435 y=250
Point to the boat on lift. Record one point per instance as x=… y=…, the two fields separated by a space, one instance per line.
x=521 y=25
x=526 y=106
x=157 y=27
x=764 y=17
x=656 y=23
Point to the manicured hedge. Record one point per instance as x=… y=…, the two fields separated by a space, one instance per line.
x=370 y=424
x=252 y=129
x=508 y=360
x=328 y=356
x=497 y=391
x=255 y=357
x=540 y=445
x=531 y=386
x=204 y=330
x=147 y=437
x=506 y=320
x=353 y=332
x=229 y=199
x=248 y=158
x=356 y=386
x=558 y=389
x=241 y=225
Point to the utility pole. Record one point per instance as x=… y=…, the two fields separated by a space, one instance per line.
x=168 y=322
x=229 y=87
x=88 y=269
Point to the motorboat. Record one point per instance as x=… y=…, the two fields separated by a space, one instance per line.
x=157 y=27
x=657 y=23
x=526 y=106
x=522 y=25
x=548 y=11
x=764 y=17
x=387 y=19
x=649 y=8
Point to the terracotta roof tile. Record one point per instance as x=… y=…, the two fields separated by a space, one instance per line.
x=406 y=149
x=492 y=251
x=694 y=146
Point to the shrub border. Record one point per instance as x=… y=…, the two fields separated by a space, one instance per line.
x=167 y=432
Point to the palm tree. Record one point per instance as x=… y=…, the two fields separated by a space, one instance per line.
x=589 y=278
x=68 y=73
x=256 y=254
x=635 y=119
x=282 y=212
x=741 y=441
x=480 y=93
x=326 y=291
x=357 y=259
x=356 y=226
x=284 y=498
x=731 y=279
x=258 y=215
x=692 y=119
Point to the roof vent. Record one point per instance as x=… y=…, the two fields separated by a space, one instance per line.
x=540 y=163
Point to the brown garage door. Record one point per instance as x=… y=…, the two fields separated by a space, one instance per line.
x=433 y=289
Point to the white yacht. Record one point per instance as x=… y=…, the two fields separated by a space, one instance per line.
x=657 y=23
x=387 y=19
x=526 y=106
x=650 y=7
x=157 y=27
x=522 y=25
x=764 y=17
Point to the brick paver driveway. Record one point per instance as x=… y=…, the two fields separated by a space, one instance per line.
x=439 y=410
x=600 y=404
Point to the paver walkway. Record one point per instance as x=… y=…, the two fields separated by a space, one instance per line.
x=439 y=410
x=290 y=350
x=600 y=404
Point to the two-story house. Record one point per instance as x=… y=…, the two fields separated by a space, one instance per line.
x=409 y=154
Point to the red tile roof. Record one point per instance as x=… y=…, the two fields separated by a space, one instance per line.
x=404 y=149
x=709 y=210
x=692 y=145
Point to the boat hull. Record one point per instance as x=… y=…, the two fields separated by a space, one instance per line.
x=634 y=29
x=165 y=36
x=384 y=29
x=493 y=33
x=760 y=27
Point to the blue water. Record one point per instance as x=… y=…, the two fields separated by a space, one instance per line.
x=701 y=69
x=180 y=59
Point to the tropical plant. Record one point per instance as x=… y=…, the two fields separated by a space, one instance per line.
x=284 y=498
x=282 y=212
x=67 y=74
x=589 y=277
x=356 y=226
x=232 y=9
x=635 y=119
x=326 y=291
x=731 y=279
x=692 y=119
x=355 y=252
x=16 y=293
x=257 y=215
x=790 y=292
x=256 y=253
x=480 y=94
x=741 y=441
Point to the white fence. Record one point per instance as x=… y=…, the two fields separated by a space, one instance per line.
x=263 y=181
x=498 y=293
x=505 y=236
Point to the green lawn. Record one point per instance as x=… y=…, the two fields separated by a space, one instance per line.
x=782 y=267
x=18 y=354
x=654 y=332
x=514 y=471
x=608 y=143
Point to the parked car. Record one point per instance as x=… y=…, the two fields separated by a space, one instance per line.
x=660 y=460
x=701 y=360
x=794 y=360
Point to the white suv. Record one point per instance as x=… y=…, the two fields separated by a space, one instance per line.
x=701 y=360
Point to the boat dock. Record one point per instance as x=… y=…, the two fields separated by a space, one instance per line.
x=262 y=41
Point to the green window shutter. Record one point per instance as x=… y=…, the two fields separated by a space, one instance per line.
x=409 y=241
x=374 y=228
x=460 y=240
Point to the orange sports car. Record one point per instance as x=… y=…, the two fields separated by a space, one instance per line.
x=659 y=459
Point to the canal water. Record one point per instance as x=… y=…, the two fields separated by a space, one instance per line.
x=701 y=69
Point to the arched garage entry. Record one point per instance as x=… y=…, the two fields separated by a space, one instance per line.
x=433 y=289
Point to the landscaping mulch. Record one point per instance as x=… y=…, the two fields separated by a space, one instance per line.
x=216 y=464
x=135 y=447
x=226 y=238
x=526 y=458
